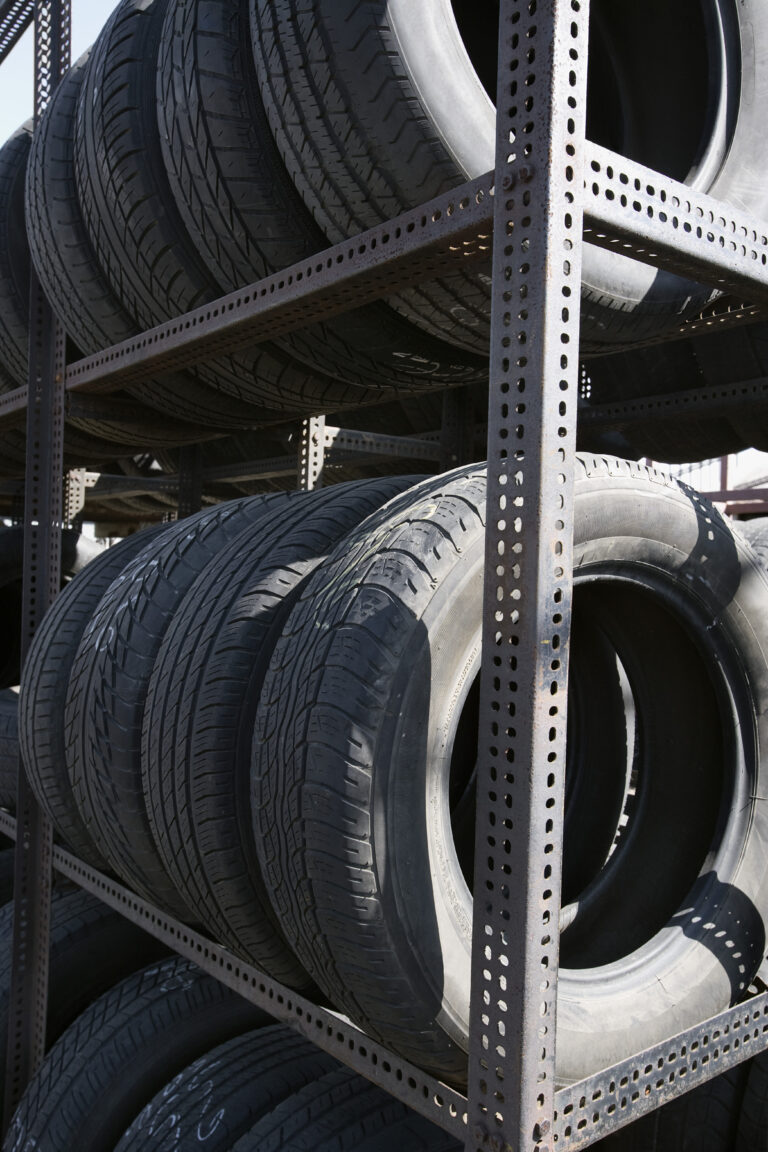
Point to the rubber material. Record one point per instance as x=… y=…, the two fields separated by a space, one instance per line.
x=14 y=257
x=120 y=1052
x=348 y=719
x=78 y=289
x=134 y=227
x=200 y=710
x=752 y=1129
x=343 y=1112
x=92 y=948
x=109 y=681
x=44 y=688
x=242 y=211
x=218 y=1098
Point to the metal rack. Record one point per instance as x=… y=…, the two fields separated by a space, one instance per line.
x=550 y=189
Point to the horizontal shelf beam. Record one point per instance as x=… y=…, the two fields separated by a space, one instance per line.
x=593 y=1108
x=442 y=1105
x=15 y=17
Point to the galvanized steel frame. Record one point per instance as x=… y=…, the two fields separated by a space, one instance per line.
x=536 y=217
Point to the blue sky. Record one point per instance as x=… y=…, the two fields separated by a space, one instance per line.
x=16 y=82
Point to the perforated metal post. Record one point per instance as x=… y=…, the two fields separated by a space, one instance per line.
x=190 y=480
x=457 y=433
x=42 y=573
x=531 y=441
x=311 y=454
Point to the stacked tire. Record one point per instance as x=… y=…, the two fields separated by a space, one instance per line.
x=268 y=719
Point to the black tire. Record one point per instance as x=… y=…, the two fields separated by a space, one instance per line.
x=9 y=748
x=77 y=288
x=224 y=1093
x=344 y=1112
x=242 y=211
x=44 y=687
x=135 y=230
x=14 y=257
x=7 y=873
x=376 y=107
x=755 y=532
x=703 y=1120
x=752 y=1130
x=92 y=948
x=201 y=705
x=678 y=596
x=120 y=1052
x=76 y=551
x=108 y=687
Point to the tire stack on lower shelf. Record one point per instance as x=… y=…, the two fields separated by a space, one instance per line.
x=263 y=719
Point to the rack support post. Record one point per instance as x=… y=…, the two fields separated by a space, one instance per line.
x=41 y=580
x=526 y=612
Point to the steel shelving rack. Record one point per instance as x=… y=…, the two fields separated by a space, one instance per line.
x=550 y=191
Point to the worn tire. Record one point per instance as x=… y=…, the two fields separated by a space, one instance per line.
x=120 y=1052
x=44 y=687
x=344 y=1112
x=377 y=106
x=223 y=1094
x=136 y=232
x=108 y=687
x=399 y=608
x=92 y=948
x=242 y=211
x=200 y=711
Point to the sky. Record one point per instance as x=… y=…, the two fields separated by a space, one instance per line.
x=16 y=79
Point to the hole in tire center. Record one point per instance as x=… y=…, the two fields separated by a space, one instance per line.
x=656 y=82
x=648 y=779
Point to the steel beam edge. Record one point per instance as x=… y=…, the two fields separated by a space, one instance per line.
x=441 y=1104
x=602 y=1103
x=16 y=17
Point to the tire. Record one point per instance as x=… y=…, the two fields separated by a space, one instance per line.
x=92 y=948
x=201 y=705
x=68 y=270
x=14 y=258
x=120 y=1052
x=379 y=106
x=9 y=749
x=398 y=608
x=134 y=228
x=76 y=552
x=44 y=686
x=243 y=213
x=703 y=1120
x=344 y=1112
x=752 y=1130
x=224 y=1093
x=755 y=532
x=108 y=688
x=7 y=873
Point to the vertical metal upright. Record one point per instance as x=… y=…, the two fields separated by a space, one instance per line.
x=41 y=581
x=526 y=613
x=190 y=480
x=311 y=454
x=457 y=432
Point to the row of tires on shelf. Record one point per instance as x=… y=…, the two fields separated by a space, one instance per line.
x=200 y=146
x=146 y=1052
x=265 y=720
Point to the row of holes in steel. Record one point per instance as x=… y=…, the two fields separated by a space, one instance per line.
x=713 y=230
x=521 y=87
x=643 y=1082
x=679 y=401
x=250 y=981
x=275 y=285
